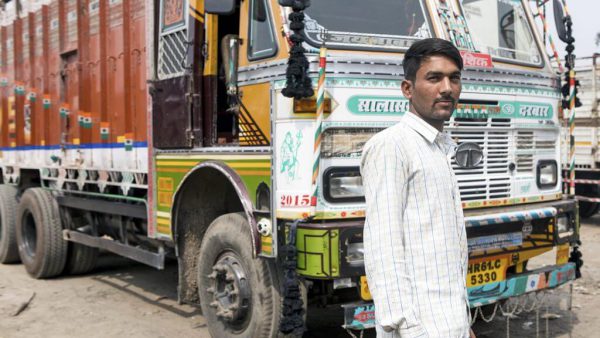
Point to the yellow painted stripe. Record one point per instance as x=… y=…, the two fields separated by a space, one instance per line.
x=164 y=230
x=210 y=66
x=214 y=157
x=198 y=5
x=163 y=221
x=196 y=16
x=583 y=143
x=193 y=164
x=240 y=172
x=172 y=170
x=254 y=172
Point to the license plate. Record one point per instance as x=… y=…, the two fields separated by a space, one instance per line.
x=487 y=270
x=365 y=294
x=359 y=316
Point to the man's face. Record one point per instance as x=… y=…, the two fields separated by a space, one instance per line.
x=435 y=91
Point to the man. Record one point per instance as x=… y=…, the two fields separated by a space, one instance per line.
x=414 y=238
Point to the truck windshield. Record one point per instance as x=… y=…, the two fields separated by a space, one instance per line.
x=351 y=24
x=501 y=29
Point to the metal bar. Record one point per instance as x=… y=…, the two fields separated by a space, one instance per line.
x=594 y=86
x=587 y=199
x=582 y=181
x=153 y=259
x=109 y=207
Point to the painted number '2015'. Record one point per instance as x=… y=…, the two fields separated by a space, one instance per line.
x=295 y=200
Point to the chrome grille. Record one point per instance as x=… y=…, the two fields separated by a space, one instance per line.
x=525 y=145
x=490 y=179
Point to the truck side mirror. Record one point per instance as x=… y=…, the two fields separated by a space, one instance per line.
x=224 y=7
x=230 y=45
x=560 y=21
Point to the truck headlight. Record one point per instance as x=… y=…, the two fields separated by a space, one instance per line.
x=356 y=254
x=563 y=226
x=547 y=174
x=343 y=184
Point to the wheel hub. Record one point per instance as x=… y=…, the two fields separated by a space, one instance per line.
x=230 y=289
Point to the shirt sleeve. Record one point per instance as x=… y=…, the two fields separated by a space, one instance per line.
x=385 y=174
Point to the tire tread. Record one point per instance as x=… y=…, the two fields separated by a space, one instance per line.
x=51 y=253
x=9 y=249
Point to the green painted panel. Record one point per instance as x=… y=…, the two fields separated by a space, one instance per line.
x=318 y=252
x=178 y=172
x=377 y=105
x=394 y=105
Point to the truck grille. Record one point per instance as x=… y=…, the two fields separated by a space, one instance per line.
x=490 y=179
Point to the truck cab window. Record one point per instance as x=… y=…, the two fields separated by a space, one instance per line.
x=261 y=37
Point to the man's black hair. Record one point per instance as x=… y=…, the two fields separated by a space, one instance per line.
x=423 y=49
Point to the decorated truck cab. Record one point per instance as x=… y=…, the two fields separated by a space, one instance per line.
x=228 y=134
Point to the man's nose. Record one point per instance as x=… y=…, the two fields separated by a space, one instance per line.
x=446 y=86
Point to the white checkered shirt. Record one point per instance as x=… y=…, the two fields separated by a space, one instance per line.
x=414 y=237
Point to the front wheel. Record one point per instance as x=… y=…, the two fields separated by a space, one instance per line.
x=238 y=294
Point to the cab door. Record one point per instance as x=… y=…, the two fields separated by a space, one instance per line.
x=176 y=91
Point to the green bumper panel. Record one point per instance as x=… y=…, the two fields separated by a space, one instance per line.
x=318 y=252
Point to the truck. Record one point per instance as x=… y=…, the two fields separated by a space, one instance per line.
x=228 y=134
x=587 y=160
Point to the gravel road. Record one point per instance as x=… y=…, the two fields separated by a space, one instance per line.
x=122 y=298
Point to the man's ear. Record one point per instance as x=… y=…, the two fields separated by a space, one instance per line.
x=407 y=89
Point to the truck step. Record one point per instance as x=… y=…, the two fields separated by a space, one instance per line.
x=154 y=259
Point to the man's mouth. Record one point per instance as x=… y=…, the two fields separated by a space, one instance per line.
x=448 y=103
x=445 y=101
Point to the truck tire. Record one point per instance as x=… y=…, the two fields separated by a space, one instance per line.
x=9 y=250
x=238 y=294
x=42 y=248
x=81 y=259
x=588 y=209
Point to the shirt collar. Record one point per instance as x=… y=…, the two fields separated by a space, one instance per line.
x=429 y=132
x=420 y=126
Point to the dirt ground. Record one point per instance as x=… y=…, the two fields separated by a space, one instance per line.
x=121 y=298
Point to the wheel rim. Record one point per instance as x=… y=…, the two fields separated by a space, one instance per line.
x=29 y=234
x=230 y=290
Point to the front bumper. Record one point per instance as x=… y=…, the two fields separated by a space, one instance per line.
x=521 y=228
x=512 y=235
x=323 y=246
x=361 y=315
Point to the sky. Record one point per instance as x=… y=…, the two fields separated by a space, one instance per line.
x=586 y=24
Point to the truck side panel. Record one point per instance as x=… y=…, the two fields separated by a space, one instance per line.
x=76 y=71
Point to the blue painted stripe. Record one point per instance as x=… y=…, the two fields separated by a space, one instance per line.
x=75 y=146
x=510 y=217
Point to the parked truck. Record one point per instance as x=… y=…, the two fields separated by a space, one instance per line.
x=160 y=128
x=587 y=136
